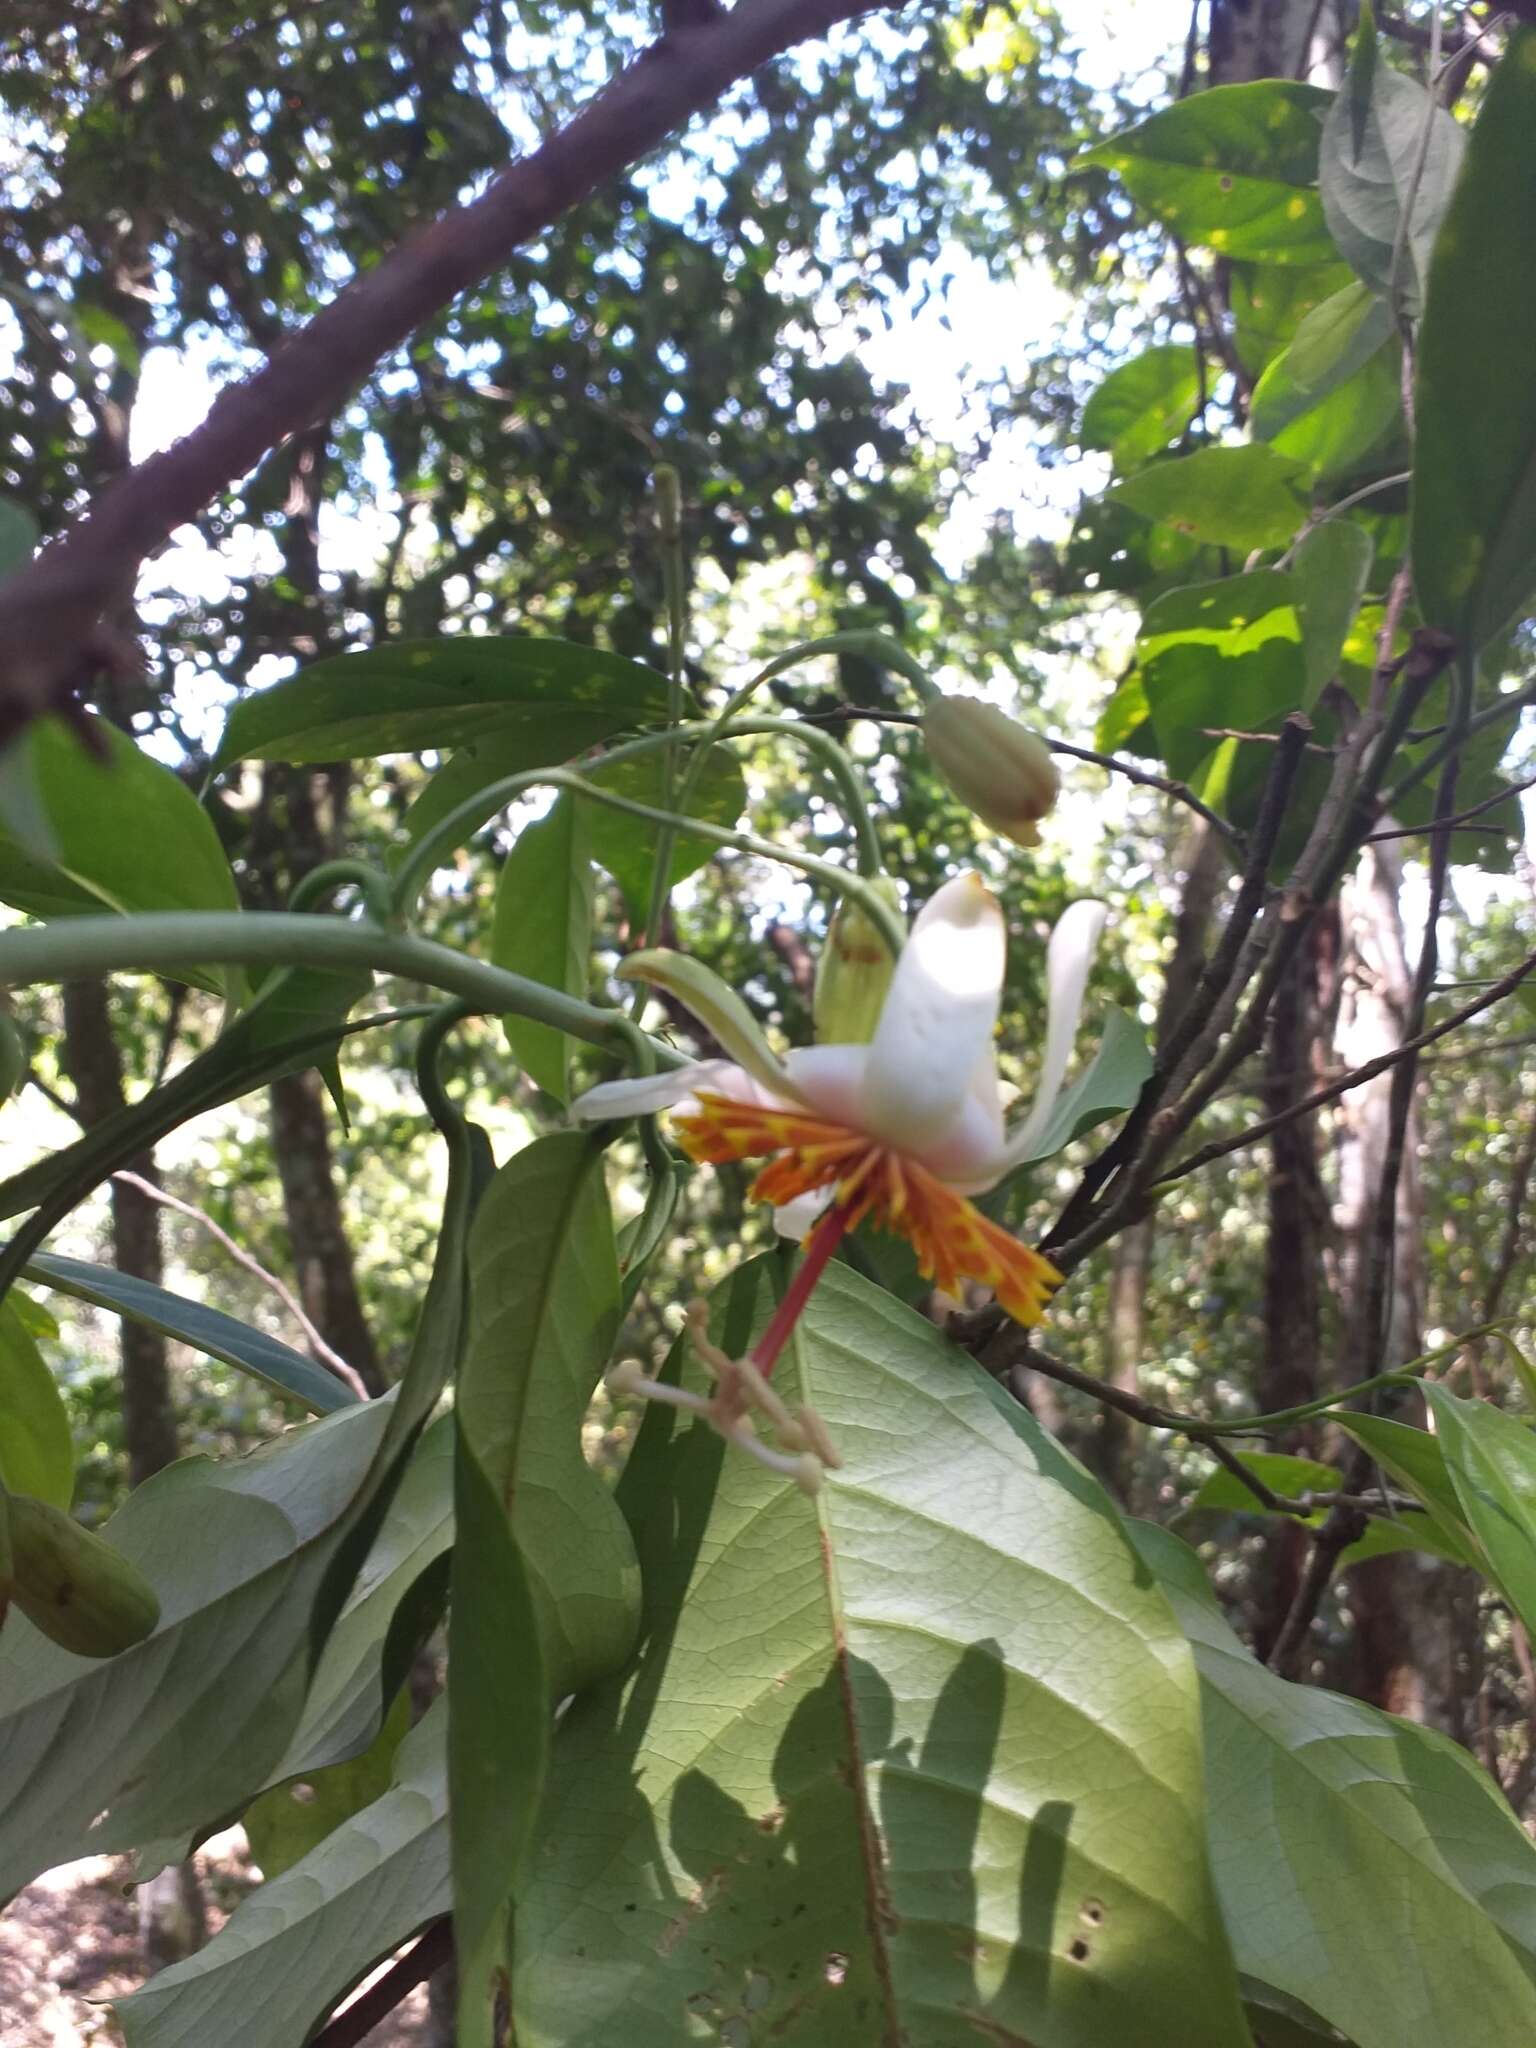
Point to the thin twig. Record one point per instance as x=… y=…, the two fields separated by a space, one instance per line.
x=1355 y=1078
x=356 y=2021
x=1458 y=820
x=324 y=1355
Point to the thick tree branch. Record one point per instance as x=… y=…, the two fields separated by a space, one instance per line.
x=51 y=637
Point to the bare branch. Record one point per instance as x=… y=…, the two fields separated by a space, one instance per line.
x=1355 y=1078
x=50 y=612
x=332 y=1360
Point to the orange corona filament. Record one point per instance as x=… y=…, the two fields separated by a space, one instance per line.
x=951 y=1237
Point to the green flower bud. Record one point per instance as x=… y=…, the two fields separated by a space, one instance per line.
x=854 y=973
x=998 y=769
x=74 y=1586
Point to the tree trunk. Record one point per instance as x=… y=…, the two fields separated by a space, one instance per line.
x=1252 y=39
x=1407 y=1658
x=322 y=1252
x=1291 y=1369
x=1204 y=860
x=95 y=1068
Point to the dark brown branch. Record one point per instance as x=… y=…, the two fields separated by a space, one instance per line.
x=1355 y=1078
x=1213 y=990
x=360 y=2018
x=50 y=611
x=1459 y=819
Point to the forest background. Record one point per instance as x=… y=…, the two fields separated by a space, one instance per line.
x=898 y=332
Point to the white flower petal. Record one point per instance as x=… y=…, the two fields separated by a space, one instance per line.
x=830 y=1079
x=647 y=1093
x=939 y=1017
x=1067 y=962
x=795 y=1219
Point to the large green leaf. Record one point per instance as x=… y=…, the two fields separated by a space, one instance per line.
x=543 y=929
x=1269 y=303
x=1216 y=657
x=208 y=1330
x=544 y=1312
x=127 y=834
x=1491 y=1460
x=917 y=1760
x=1416 y=1461
x=180 y=1730
x=1110 y=1083
x=291 y=1949
x=1241 y=498
x=1143 y=405
x=347 y=1695
x=624 y=846
x=1223 y=1491
x=285 y=1823
x=1233 y=169
x=546 y=1590
x=1375 y=154
x=553 y=697
x=1332 y=566
x=1335 y=395
x=37 y=1454
x=1366 y=1866
x=1474 y=465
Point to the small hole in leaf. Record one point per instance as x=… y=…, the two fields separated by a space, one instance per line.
x=1093 y=1912
x=835 y=1968
x=1078 y=1950
x=303 y=1795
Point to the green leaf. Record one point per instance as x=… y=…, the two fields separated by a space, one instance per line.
x=546 y=1591
x=1415 y=1460
x=1288 y=1476
x=23 y=809
x=1284 y=1475
x=37 y=1455
x=1374 y=155
x=1243 y=498
x=554 y=697
x=1233 y=168
x=1219 y=656
x=623 y=846
x=626 y=847
x=1335 y=393
x=1491 y=1460
x=916 y=1760
x=180 y=1730
x=351 y=1685
x=498 y=1744
x=544 y=1310
x=1474 y=465
x=1332 y=567
x=109 y=855
x=1143 y=405
x=294 y=1946
x=543 y=929
x=1366 y=1866
x=208 y=1330
x=283 y=1825
x=1269 y=304
x=18 y=536
x=1110 y=1083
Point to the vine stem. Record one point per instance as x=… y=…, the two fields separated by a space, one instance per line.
x=277 y=938
x=411 y=877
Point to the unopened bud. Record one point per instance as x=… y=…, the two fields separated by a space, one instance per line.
x=854 y=972
x=996 y=767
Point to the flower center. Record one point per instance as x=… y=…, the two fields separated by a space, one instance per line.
x=951 y=1237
